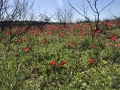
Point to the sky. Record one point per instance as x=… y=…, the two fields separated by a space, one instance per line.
x=50 y=6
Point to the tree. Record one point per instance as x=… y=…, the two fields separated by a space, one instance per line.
x=3 y=8
x=64 y=14
x=18 y=10
x=94 y=8
x=41 y=19
x=115 y=16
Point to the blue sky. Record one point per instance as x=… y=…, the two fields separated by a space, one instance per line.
x=51 y=5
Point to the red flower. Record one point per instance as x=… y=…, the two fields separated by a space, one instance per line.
x=45 y=40
x=7 y=33
x=60 y=34
x=20 y=40
x=80 y=36
x=119 y=45
x=98 y=31
x=27 y=49
x=62 y=63
x=53 y=62
x=3 y=39
x=50 y=33
x=92 y=60
x=82 y=33
x=93 y=46
x=113 y=37
x=71 y=43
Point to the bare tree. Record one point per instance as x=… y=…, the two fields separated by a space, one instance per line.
x=64 y=14
x=2 y=8
x=18 y=10
x=94 y=8
x=115 y=16
x=40 y=19
x=25 y=8
x=43 y=17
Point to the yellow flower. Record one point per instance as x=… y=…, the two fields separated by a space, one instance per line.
x=105 y=62
x=82 y=73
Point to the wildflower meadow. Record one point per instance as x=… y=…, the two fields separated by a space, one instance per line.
x=61 y=58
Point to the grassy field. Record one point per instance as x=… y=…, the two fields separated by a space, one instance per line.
x=60 y=58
